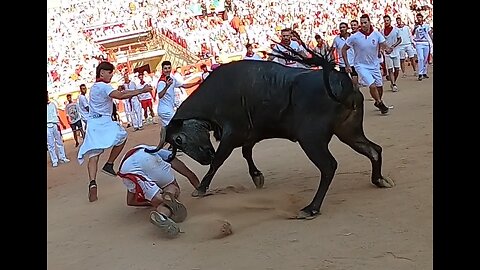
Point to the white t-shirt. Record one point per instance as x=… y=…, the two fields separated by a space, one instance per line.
x=366 y=48
x=390 y=40
x=180 y=93
x=295 y=46
x=72 y=111
x=82 y=106
x=421 y=33
x=405 y=35
x=166 y=104
x=52 y=116
x=144 y=96
x=100 y=101
x=130 y=87
x=338 y=43
x=151 y=166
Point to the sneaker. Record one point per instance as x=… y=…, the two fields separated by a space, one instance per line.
x=65 y=160
x=395 y=88
x=420 y=77
x=55 y=164
x=380 y=105
x=404 y=75
x=135 y=129
x=425 y=76
x=108 y=169
x=166 y=225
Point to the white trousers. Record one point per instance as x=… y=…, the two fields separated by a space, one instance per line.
x=54 y=138
x=423 y=49
x=137 y=115
x=128 y=111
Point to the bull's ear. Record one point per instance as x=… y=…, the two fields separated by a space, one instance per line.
x=206 y=125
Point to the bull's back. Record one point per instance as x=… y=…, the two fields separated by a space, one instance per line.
x=245 y=91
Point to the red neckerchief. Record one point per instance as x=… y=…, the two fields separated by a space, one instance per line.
x=101 y=80
x=400 y=26
x=366 y=33
x=288 y=45
x=250 y=54
x=142 y=82
x=163 y=78
x=387 y=30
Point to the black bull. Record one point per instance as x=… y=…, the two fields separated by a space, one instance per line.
x=245 y=102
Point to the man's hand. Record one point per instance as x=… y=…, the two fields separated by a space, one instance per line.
x=169 y=82
x=348 y=69
x=389 y=50
x=147 y=88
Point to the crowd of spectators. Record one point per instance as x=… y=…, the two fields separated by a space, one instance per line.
x=203 y=27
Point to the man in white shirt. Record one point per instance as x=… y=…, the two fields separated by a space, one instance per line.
x=422 y=36
x=83 y=104
x=166 y=93
x=74 y=119
x=392 y=60
x=366 y=44
x=288 y=42
x=54 y=137
x=133 y=103
x=146 y=99
x=251 y=55
x=103 y=132
x=337 y=44
x=405 y=49
x=180 y=92
x=150 y=181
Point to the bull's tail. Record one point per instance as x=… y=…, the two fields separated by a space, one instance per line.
x=326 y=61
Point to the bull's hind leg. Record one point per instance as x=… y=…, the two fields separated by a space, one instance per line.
x=257 y=176
x=352 y=134
x=223 y=152
x=317 y=151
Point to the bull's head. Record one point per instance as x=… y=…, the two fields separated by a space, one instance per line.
x=193 y=138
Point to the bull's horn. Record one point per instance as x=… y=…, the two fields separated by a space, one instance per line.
x=163 y=134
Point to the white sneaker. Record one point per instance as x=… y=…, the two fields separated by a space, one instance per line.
x=395 y=88
x=404 y=75
x=65 y=160
x=55 y=164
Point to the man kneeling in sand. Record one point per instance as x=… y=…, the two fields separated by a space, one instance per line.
x=150 y=181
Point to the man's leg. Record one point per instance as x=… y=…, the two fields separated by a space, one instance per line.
x=92 y=175
x=51 y=146
x=162 y=215
x=75 y=135
x=114 y=153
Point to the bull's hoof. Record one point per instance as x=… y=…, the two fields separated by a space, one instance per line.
x=307 y=214
x=384 y=182
x=199 y=193
x=258 y=180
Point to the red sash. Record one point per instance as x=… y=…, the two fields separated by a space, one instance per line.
x=139 y=195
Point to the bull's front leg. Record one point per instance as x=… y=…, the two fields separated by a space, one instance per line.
x=257 y=176
x=223 y=152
